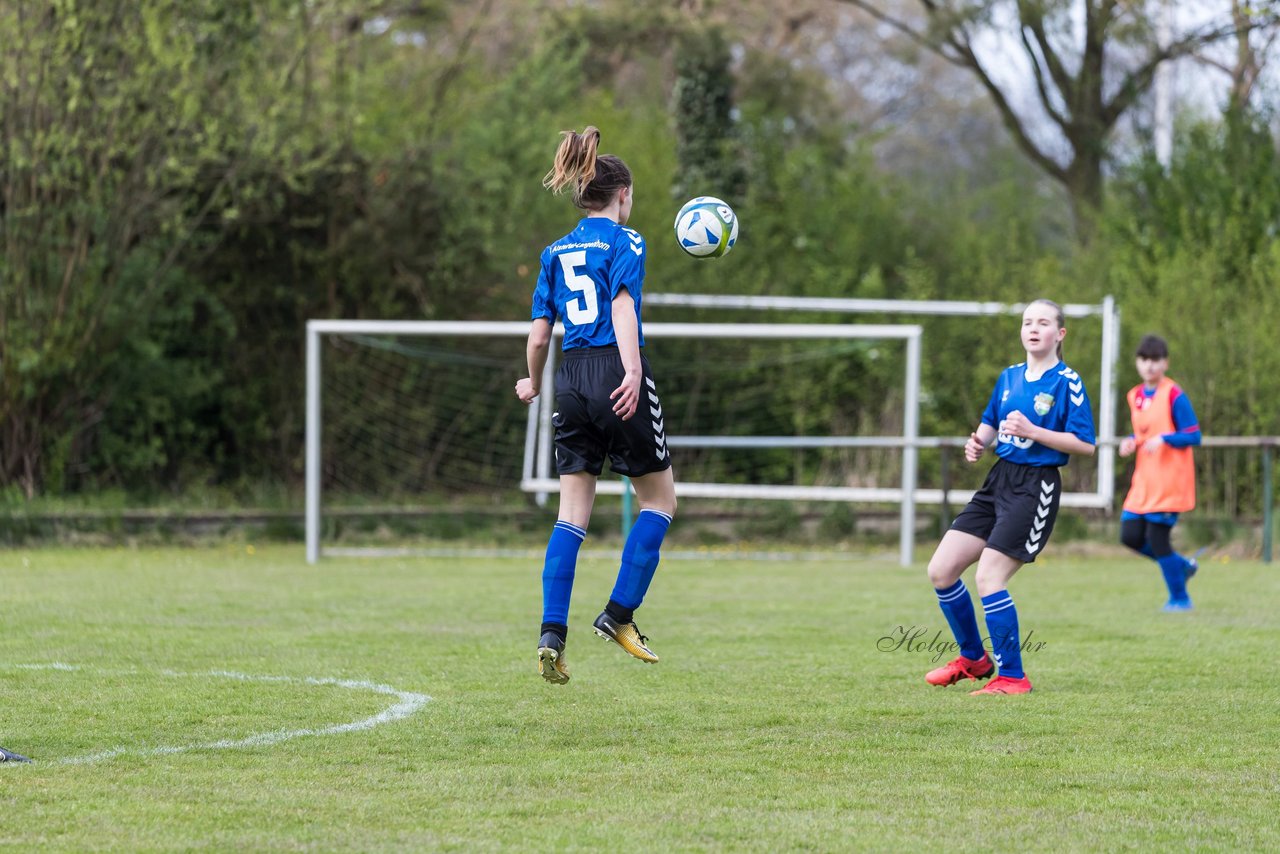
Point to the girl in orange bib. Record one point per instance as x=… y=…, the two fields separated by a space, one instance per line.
x=1165 y=430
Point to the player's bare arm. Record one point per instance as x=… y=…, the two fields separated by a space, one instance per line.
x=626 y=397
x=536 y=349
x=979 y=440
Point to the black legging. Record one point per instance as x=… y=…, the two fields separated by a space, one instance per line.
x=1134 y=533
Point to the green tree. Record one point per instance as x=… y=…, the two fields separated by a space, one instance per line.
x=1195 y=257
x=706 y=137
x=111 y=115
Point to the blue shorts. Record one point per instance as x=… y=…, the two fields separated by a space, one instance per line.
x=1166 y=519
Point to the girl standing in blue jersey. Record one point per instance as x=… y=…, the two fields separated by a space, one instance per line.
x=607 y=403
x=1039 y=415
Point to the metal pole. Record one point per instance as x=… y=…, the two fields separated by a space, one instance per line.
x=1107 y=402
x=626 y=507
x=313 y=445
x=1267 y=507
x=531 y=438
x=945 y=472
x=910 y=432
x=546 y=406
x=1162 y=89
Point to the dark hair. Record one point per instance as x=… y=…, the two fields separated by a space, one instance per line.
x=1152 y=347
x=1057 y=310
x=594 y=178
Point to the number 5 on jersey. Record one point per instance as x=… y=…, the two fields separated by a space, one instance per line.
x=586 y=309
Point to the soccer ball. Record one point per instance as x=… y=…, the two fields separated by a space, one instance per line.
x=706 y=227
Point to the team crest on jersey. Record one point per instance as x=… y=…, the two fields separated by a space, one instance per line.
x=1043 y=403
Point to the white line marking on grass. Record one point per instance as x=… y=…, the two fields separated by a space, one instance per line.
x=534 y=554
x=408 y=704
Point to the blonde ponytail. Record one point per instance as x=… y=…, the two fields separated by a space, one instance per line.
x=595 y=179
x=575 y=161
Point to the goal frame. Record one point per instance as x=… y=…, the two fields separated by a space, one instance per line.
x=1103 y=496
x=537 y=476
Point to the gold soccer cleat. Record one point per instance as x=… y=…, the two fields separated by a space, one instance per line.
x=625 y=635
x=551 y=664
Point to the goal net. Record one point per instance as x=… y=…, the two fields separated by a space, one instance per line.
x=414 y=432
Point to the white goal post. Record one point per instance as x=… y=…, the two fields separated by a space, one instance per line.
x=537 y=476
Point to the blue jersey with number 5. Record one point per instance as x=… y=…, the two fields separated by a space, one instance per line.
x=582 y=273
x=1056 y=401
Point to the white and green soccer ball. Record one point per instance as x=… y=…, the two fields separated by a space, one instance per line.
x=706 y=227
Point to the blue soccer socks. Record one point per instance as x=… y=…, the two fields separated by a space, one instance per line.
x=1174 y=569
x=558 y=570
x=1002 y=626
x=640 y=558
x=957 y=607
x=639 y=562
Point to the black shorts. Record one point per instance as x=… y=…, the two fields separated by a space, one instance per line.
x=1015 y=509
x=587 y=430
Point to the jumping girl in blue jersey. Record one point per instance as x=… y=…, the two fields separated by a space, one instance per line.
x=1039 y=415
x=607 y=403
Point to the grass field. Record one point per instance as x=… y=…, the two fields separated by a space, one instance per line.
x=221 y=699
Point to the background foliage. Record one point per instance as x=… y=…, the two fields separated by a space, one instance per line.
x=185 y=184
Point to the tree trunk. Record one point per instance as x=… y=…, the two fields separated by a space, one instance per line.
x=1085 y=185
x=20 y=461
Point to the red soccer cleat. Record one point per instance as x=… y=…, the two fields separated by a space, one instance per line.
x=961 y=668
x=1005 y=685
